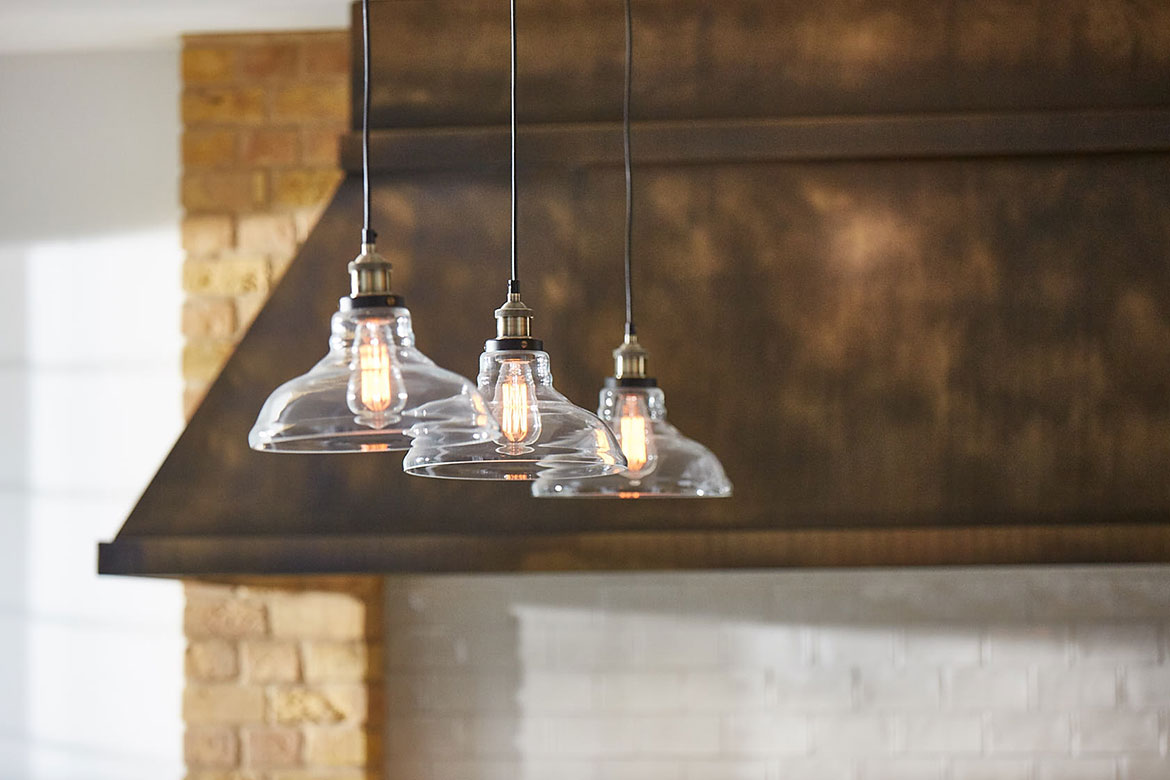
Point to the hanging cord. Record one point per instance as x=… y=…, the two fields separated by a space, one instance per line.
x=630 y=330
x=514 y=282
x=368 y=234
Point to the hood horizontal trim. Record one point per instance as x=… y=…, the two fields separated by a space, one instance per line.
x=638 y=551
x=808 y=139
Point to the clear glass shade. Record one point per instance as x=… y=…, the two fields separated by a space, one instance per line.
x=541 y=433
x=374 y=391
x=662 y=463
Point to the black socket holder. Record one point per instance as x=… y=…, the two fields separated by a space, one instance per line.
x=509 y=344
x=355 y=302
x=631 y=381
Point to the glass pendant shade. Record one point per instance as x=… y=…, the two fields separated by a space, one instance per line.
x=372 y=392
x=540 y=432
x=662 y=463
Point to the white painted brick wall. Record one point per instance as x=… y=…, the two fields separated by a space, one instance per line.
x=963 y=674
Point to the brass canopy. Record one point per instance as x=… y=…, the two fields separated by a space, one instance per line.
x=514 y=319
x=369 y=273
x=629 y=360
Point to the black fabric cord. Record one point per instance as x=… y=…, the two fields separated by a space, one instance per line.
x=368 y=234
x=514 y=283
x=629 y=170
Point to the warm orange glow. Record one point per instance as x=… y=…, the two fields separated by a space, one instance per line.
x=375 y=447
x=377 y=390
x=634 y=433
x=514 y=411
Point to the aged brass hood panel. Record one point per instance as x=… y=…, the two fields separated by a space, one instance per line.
x=954 y=338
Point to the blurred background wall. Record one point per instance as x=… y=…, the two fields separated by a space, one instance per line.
x=90 y=401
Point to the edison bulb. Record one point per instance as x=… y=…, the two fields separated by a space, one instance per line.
x=635 y=434
x=514 y=406
x=376 y=393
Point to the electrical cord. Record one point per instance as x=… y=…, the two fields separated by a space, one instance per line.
x=514 y=282
x=368 y=234
x=630 y=330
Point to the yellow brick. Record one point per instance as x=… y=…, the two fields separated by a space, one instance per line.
x=321 y=147
x=313 y=102
x=269 y=60
x=266 y=661
x=224 y=703
x=300 y=188
x=212 y=659
x=270 y=146
x=231 y=276
x=319 y=704
x=232 y=191
x=209 y=318
x=268 y=748
x=336 y=747
x=269 y=233
x=306 y=218
x=211 y=748
x=209 y=148
x=223 y=618
x=340 y=661
x=225 y=105
x=317 y=616
x=231 y=774
x=317 y=773
x=203 y=360
x=327 y=56
x=207 y=233
x=247 y=307
x=205 y=64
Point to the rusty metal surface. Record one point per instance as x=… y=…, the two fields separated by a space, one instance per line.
x=442 y=63
x=933 y=343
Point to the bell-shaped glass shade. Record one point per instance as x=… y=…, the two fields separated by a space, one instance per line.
x=662 y=462
x=541 y=433
x=372 y=392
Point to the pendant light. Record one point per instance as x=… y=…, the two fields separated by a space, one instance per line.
x=662 y=463
x=374 y=389
x=541 y=433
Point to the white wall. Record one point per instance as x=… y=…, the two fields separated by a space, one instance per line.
x=90 y=401
x=963 y=674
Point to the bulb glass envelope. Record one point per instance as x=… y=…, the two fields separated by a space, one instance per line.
x=541 y=433
x=372 y=392
x=663 y=462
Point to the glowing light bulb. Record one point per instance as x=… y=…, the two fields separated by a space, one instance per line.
x=376 y=393
x=636 y=436
x=514 y=406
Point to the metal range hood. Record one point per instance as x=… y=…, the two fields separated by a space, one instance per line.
x=936 y=285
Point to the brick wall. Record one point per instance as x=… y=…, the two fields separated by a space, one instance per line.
x=282 y=674
x=283 y=679
x=993 y=674
x=261 y=118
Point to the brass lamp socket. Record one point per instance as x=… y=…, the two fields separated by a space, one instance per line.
x=629 y=360
x=369 y=281
x=513 y=327
x=629 y=365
